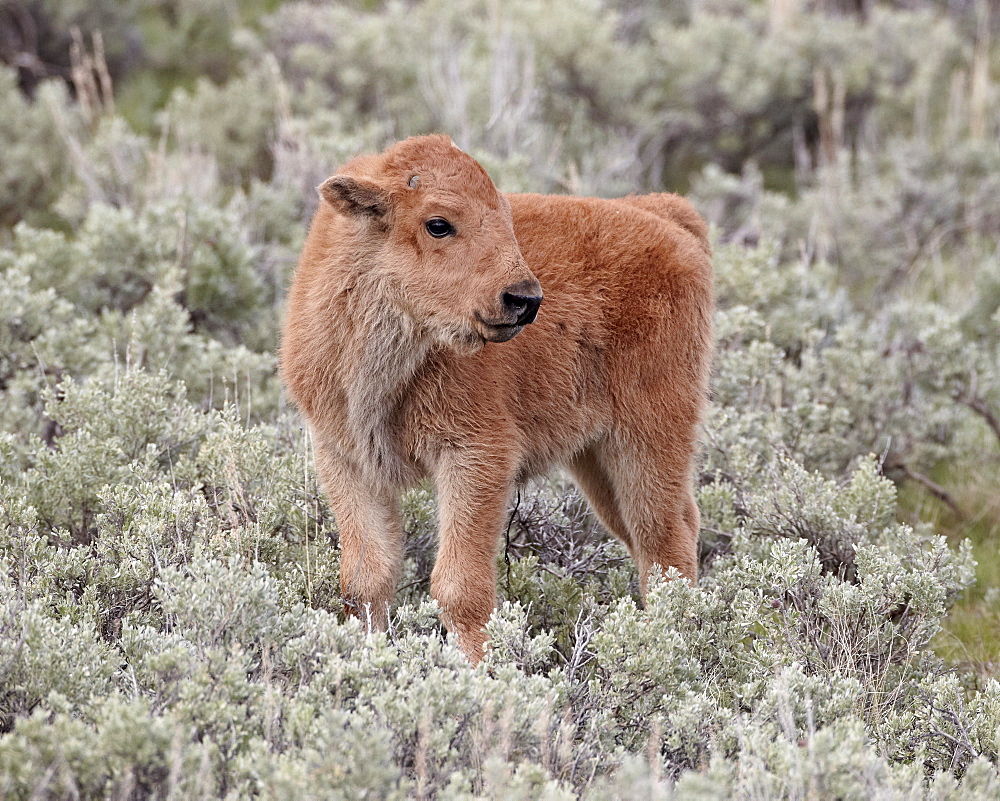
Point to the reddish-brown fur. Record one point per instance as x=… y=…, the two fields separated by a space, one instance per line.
x=389 y=352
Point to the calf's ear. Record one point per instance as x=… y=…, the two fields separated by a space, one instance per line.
x=355 y=196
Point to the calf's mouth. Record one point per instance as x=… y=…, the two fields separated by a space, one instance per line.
x=493 y=331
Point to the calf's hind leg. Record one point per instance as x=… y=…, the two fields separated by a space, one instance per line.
x=591 y=477
x=655 y=502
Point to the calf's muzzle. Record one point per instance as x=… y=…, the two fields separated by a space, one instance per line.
x=522 y=307
x=521 y=301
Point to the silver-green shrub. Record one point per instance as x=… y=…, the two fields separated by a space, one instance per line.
x=170 y=620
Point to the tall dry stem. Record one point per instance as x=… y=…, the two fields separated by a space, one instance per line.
x=980 y=86
x=90 y=76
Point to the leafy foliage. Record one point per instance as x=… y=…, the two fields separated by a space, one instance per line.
x=169 y=592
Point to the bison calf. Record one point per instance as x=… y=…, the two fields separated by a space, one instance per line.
x=412 y=347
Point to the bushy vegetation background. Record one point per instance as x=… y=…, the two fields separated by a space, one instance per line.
x=169 y=612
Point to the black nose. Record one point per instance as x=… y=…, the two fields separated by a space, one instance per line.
x=523 y=307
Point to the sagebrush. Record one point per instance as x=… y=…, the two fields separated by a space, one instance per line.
x=170 y=597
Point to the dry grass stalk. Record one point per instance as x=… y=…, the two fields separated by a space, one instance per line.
x=90 y=76
x=979 y=89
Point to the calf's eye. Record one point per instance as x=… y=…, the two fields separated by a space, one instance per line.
x=439 y=228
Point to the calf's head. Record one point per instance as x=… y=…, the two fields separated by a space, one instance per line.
x=426 y=222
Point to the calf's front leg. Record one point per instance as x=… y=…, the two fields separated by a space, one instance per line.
x=472 y=498
x=371 y=538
